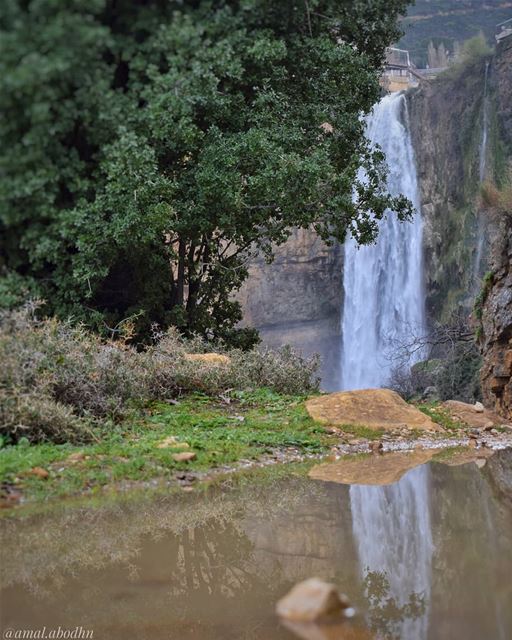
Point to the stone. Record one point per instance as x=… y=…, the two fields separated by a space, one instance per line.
x=76 y=457
x=371 y=470
x=372 y=408
x=184 y=456
x=39 y=472
x=470 y=416
x=376 y=447
x=311 y=600
x=172 y=442
x=169 y=441
x=214 y=359
x=479 y=407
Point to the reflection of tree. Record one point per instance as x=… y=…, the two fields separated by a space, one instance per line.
x=385 y=614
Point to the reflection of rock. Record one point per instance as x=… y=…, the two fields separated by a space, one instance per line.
x=311 y=599
x=471 y=414
x=337 y=631
x=373 y=408
x=464 y=456
x=384 y=469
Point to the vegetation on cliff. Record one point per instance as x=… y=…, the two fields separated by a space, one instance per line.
x=146 y=146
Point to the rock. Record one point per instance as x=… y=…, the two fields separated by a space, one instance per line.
x=373 y=470
x=311 y=600
x=214 y=359
x=39 y=472
x=76 y=457
x=373 y=408
x=168 y=441
x=376 y=447
x=470 y=415
x=185 y=456
x=479 y=407
x=172 y=442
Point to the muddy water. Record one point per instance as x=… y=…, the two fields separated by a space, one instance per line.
x=428 y=556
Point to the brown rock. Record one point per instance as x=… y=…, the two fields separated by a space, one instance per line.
x=373 y=408
x=310 y=600
x=471 y=416
x=214 y=359
x=184 y=456
x=39 y=472
x=384 y=469
x=76 y=457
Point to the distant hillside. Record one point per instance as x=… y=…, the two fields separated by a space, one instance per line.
x=449 y=20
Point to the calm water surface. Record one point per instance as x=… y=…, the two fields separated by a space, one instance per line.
x=429 y=556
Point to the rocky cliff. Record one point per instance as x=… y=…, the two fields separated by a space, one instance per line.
x=297 y=299
x=446 y=124
x=496 y=313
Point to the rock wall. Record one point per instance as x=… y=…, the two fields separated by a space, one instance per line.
x=446 y=125
x=297 y=299
x=496 y=342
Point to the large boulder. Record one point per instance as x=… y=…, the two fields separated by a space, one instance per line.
x=372 y=408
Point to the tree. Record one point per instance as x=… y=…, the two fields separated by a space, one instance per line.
x=149 y=146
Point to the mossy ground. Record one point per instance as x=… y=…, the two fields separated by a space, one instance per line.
x=220 y=433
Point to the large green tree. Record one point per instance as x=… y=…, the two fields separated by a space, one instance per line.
x=147 y=146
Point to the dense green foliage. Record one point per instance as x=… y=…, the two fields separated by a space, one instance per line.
x=147 y=146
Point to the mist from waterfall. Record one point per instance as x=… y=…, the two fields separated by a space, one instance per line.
x=383 y=283
x=393 y=536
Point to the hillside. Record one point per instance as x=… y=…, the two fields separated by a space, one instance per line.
x=447 y=21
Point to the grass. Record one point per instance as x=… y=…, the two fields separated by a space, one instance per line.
x=441 y=416
x=218 y=432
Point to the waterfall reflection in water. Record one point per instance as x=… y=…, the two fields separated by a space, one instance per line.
x=393 y=535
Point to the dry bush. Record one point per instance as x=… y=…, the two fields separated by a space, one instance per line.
x=57 y=378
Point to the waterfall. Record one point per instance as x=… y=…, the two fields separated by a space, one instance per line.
x=480 y=227
x=384 y=306
x=393 y=537
x=383 y=283
x=485 y=128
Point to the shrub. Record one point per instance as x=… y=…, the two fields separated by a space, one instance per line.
x=58 y=380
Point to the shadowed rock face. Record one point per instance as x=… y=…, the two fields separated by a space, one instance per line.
x=297 y=299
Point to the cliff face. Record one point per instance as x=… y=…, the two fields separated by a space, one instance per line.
x=446 y=126
x=297 y=299
x=496 y=372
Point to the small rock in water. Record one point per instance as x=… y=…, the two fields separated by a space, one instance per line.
x=311 y=600
x=480 y=462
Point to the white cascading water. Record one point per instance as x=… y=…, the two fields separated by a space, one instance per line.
x=384 y=306
x=383 y=283
x=393 y=536
x=482 y=171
